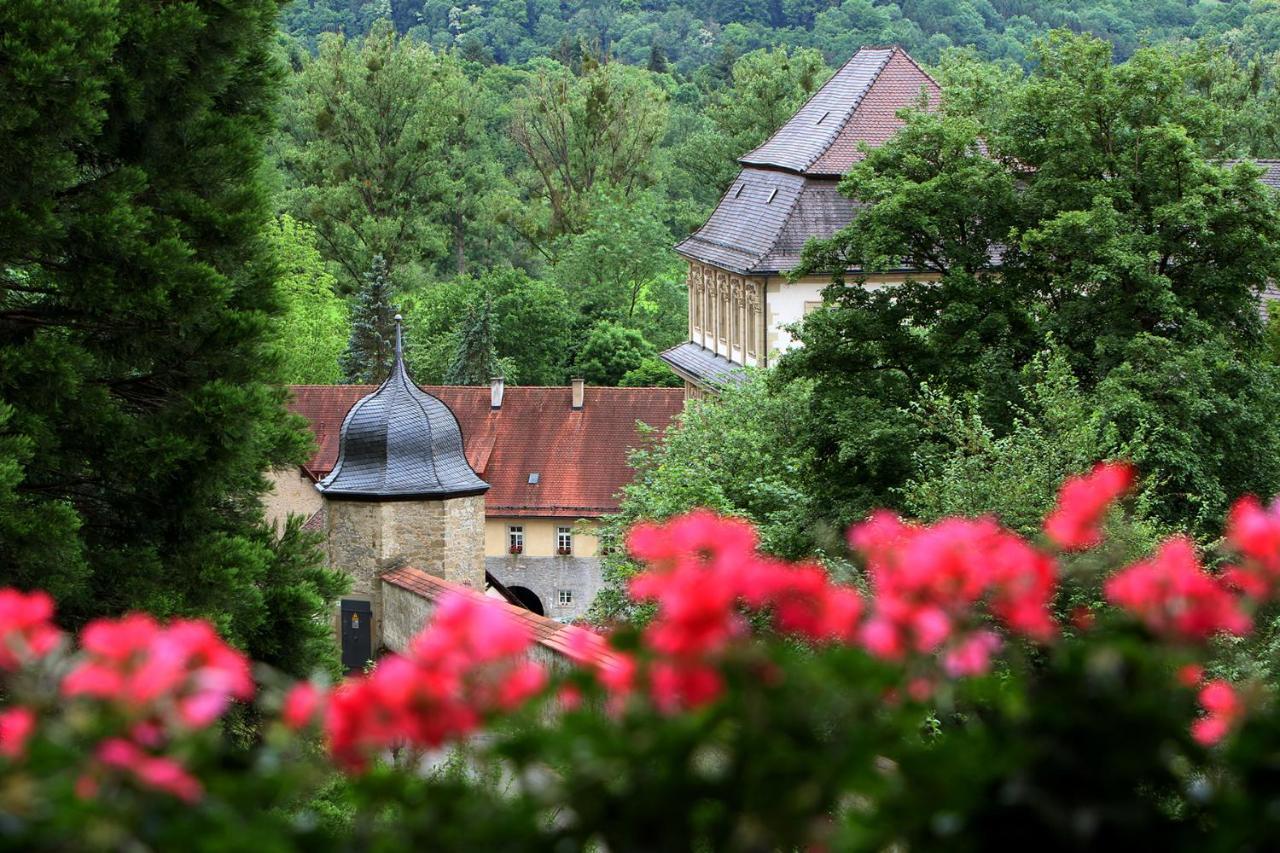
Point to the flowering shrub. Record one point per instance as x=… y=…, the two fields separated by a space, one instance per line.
x=943 y=701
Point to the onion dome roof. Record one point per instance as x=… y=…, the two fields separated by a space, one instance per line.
x=400 y=443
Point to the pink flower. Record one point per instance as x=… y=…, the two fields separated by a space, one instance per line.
x=1254 y=532
x=156 y=772
x=301 y=705
x=1223 y=710
x=931 y=582
x=1174 y=597
x=972 y=656
x=1075 y=522
x=182 y=672
x=467 y=663
x=27 y=632
x=16 y=727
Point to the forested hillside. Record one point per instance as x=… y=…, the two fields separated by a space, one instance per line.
x=511 y=176
x=690 y=34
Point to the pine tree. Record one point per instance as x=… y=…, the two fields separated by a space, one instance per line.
x=475 y=361
x=137 y=374
x=367 y=360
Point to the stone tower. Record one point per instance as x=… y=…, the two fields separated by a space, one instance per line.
x=401 y=493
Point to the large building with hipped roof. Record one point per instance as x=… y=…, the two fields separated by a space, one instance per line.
x=740 y=301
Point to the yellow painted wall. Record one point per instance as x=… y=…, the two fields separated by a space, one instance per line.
x=540 y=536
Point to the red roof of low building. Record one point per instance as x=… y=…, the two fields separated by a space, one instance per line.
x=546 y=632
x=580 y=456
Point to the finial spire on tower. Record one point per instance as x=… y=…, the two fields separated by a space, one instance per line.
x=399 y=348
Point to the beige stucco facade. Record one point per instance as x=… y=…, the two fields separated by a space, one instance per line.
x=745 y=318
x=541 y=536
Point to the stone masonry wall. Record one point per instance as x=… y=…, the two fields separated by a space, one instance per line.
x=546 y=576
x=442 y=538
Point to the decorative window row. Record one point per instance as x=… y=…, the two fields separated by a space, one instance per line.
x=726 y=309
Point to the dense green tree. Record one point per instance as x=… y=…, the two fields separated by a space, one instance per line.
x=371 y=346
x=652 y=372
x=475 y=358
x=610 y=352
x=363 y=143
x=739 y=455
x=312 y=331
x=1078 y=207
x=621 y=267
x=137 y=373
x=585 y=134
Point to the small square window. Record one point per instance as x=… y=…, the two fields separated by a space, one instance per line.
x=564 y=540
x=564 y=597
x=533 y=479
x=515 y=538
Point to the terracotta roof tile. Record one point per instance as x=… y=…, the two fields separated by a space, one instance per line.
x=580 y=456
x=546 y=632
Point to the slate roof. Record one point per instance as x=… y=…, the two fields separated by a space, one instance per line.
x=702 y=365
x=858 y=104
x=786 y=193
x=548 y=633
x=1271 y=177
x=400 y=442
x=580 y=455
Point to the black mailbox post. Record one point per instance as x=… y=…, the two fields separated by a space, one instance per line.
x=357 y=634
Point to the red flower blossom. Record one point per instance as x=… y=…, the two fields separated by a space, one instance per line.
x=1174 y=597
x=1075 y=522
x=1254 y=532
x=301 y=705
x=16 y=727
x=156 y=772
x=182 y=672
x=1223 y=710
x=27 y=631
x=928 y=582
x=468 y=662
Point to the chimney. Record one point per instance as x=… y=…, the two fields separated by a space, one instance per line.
x=496 y=386
x=579 y=391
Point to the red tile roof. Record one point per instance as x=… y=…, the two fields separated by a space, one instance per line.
x=547 y=632
x=580 y=456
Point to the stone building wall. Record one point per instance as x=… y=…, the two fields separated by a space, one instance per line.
x=545 y=577
x=442 y=538
x=406 y=613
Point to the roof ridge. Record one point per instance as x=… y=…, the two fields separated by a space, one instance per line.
x=836 y=127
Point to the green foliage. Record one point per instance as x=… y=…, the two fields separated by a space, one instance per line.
x=610 y=352
x=137 y=370
x=583 y=135
x=1076 y=210
x=475 y=360
x=312 y=330
x=738 y=455
x=364 y=136
x=371 y=346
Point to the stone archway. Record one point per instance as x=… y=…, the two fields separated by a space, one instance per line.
x=528 y=598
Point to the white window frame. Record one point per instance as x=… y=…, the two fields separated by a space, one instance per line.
x=515 y=537
x=564 y=539
x=564 y=597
